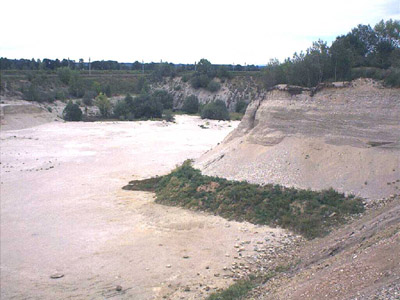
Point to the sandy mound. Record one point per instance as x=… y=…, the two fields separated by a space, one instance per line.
x=22 y=114
x=342 y=136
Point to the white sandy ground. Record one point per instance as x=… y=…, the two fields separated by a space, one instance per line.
x=63 y=211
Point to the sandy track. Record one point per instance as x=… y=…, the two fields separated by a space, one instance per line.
x=63 y=211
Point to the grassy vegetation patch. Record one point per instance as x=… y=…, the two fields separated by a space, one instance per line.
x=306 y=212
x=236 y=291
x=241 y=288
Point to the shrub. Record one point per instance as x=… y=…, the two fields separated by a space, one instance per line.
x=200 y=81
x=60 y=95
x=88 y=97
x=215 y=110
x=76 y=87
x=145 y=106
x=213 y=86
x=191 y=105
x=35 y=93
x=72 y=112
x=185 y=78
x=107 y=90
x=121 y=109
x=104 y=105
x=393 y=78
x=168 y=116
x=240 y=107
x=164 y=97
x=64 y=74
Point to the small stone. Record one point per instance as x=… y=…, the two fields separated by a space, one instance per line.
x=118 y=288
x=168 y=266
x=56 y=276
x=207 y=267
x=187 y=289
x=186 y=256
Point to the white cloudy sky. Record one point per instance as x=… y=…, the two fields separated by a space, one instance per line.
x=179 y=31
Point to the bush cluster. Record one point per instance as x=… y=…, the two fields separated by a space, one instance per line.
x=215 y=110
x=72 y=112
x=191 y=105
x=306 y=212
x=144 y=106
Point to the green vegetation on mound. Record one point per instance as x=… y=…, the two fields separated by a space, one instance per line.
x=306 y=212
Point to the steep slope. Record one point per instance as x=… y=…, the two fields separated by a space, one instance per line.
x=341 y=135
x=358 y=261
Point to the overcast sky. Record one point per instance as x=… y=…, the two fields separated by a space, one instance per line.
x=179 y=31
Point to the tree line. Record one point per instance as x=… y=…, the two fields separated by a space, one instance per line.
x=105 y=65
x=363 y=52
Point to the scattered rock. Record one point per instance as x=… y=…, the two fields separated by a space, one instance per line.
x=56 y=276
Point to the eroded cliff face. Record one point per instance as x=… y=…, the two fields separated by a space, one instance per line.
x=342 y=135
x=232 y=91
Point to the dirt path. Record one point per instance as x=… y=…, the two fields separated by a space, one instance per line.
x=63 y=211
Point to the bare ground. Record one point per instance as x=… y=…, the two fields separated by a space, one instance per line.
x=63 y=212
x=359 y=261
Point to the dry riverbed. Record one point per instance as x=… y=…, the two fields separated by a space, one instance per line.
x=63 y=213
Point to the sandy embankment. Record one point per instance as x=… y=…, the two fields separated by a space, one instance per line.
x=63 y=211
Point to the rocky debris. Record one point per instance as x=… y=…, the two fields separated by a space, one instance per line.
x=358 y=261
x=56 y=276
x=118 y=288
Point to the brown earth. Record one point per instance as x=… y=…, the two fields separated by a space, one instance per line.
x=64 y=214
x=345 y=136
x=359 y=261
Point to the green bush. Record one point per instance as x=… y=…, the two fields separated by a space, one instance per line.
x=213 y=86
x=88 y=97
x=104 y=105
x=200 y=81
x=76 y=86
x=38 y=94
x=64 y=74
x=191 y=105
x=121 y=109
x=146 y=107
x=240 y=107
x=72 y=112
x=164 y=97
x=215 y=110
x=393 y=77
x=168 y=116
x=60 y=95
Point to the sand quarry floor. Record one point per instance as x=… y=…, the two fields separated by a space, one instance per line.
x=63 y=213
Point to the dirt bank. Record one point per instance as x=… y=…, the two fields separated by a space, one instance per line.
x=63 y=211
x=345 y=136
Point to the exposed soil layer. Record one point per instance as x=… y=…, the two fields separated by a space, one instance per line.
x=345 y=136
x=358 y=261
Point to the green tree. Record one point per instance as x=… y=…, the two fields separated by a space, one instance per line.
x=64 y=74
x=146 y=106
x=104 y=105
x=213 y=86
x=88 y=97
x=191 y=105
x=72 y=112
x=164 y=97
x=215 y=110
